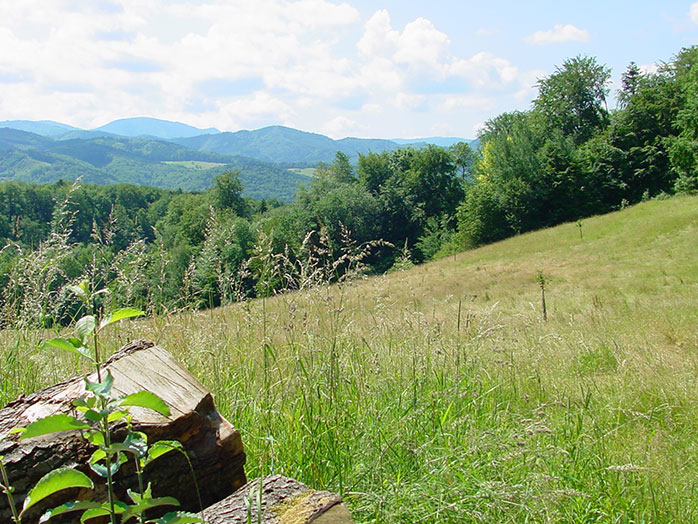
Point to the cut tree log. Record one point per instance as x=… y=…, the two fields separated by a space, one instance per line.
x=212 y=444
x=278 y=500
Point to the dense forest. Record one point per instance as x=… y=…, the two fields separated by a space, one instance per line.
x=566 y=158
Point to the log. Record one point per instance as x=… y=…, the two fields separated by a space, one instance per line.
x=280 y=500
x=213 y=445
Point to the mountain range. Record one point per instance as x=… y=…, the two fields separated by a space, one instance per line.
x=162 y=153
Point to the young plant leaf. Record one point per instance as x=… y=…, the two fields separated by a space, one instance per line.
x=137 y=498
x=77 y=505
x=96 y=438
x=177 y=517
x=103 y=510
x=85 y=326
x=137 y=442
x=120 y=314
x=52 y=424
x=101 y=469
x=146 y=504
x=158 y=449
x=91 y=414
x=70 y=345
x=56 y=480
x=79 y=291
x=102 y=389
x=146 y=399
x=117 y=416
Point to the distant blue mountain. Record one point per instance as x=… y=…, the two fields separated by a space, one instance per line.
x=282 y=145
x=285 y=145
x=42 y=127
x=441 y=141
x=153 y=127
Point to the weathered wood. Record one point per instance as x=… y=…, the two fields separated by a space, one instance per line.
x=213 y=445
x=280 y=500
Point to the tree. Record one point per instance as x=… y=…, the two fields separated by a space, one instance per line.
x=463 y=158
x=630 y=84
x=374 y=170
x=227 y=193
x=341 y=170
x=683 y=149
x=573 y=99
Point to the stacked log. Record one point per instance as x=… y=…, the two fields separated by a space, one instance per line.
x=214 y=448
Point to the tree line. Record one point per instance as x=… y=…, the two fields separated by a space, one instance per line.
x=568 y=157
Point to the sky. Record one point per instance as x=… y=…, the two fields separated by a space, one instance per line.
x=363 y=68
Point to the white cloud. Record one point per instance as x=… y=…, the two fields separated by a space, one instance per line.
x=477 y=128
x=558 y=34
x=234 y=64
x=342 y=126
x=407 y=101
x=419 y=44
x=693 y=12
x=484 y=69
x=256 y=107
x=467 y=101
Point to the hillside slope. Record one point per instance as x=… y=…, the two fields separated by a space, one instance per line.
x=284 y=144
x=439 y=394
x=113 y=159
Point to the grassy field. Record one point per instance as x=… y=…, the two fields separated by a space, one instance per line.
x=307 y=171
x=439 y=394
x=193 y=164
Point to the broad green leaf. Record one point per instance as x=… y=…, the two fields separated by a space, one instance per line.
x=56 y=480
x=86 y=402
x=92 y=415
x=158 y=449
x=85 y=326
x=134 y=496
x=146 y=399
x=137 y=442
x=138 y=497
x=103 y=389
x=177 y=517
x=52 y=424
x=80 y=291
x=120 y=314
x=146 y=504
x=97 y=455
x=77 y=505
x=101 y=469
x=94 y=513
x=117 y=416
x=103 y=510
x=69 y=345
x=96 y=438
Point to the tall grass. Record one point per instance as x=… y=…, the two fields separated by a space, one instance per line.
x=439 y=394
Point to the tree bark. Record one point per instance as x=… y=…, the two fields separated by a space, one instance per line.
x=279 y=500
x=212 y=444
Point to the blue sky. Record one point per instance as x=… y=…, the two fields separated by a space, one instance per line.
x=388 y=69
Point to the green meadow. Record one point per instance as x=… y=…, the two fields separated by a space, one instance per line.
x=440 y=394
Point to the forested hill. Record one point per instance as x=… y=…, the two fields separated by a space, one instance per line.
x=278 y=144
x=284 y=144
x=565 y=159
x=110 y=160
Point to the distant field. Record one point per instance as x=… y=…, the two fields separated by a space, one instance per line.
x=440 y=395
x=193 y=164
x=306 y=171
